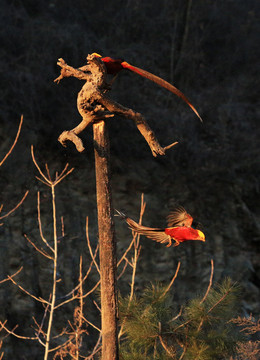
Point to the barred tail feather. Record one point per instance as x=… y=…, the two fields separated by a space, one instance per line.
x=121 y=214
x=140 y=229
x=156 y=234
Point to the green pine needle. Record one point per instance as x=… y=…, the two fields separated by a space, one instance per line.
x=202 y=331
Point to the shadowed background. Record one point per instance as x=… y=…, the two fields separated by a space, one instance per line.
x=209 y=51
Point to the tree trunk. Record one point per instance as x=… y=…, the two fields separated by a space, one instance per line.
x=107 y=249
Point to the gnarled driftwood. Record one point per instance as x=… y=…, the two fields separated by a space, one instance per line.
x=94 y=105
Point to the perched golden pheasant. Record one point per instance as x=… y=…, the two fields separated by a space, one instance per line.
x=179 y=228
x=114 y=66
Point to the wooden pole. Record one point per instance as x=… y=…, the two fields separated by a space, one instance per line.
x=107 y=244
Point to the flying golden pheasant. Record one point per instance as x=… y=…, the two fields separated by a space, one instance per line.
x=114 y=66
x=179 y=228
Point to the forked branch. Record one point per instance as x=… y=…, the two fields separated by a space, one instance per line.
x=94 y=105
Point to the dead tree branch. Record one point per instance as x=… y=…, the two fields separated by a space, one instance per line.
x=94 y=105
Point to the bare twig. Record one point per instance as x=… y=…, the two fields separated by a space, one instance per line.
x=172 y=280
x=38 y=168
x=16 y=207
x=41 y=251
x=11 y=276
x=47 y=179
x=123 y=271
x=90 y=323
x=54 y=284
x=177 y=316
x=210 y=282
x=11 y=332
x=82 y=281
x=14 y=143
x=96 y=349
x=165 y=346
x=137 y=248
x=170 y=146
x=40 y=222
x=27 y=292
x=89 y=247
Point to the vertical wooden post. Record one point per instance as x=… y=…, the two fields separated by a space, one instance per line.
x=107 y=244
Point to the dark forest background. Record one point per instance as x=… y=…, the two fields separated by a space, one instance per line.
x=210 y=51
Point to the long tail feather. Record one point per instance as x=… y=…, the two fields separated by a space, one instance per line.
x=134 y=225
x=156 y=234
x=162 y=83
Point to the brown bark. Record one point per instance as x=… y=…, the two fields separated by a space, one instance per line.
x=107 y=252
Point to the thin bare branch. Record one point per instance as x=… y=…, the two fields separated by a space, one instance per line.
x=60 y=178
x=172 y=280
x=96 y=349
x=11 y=276
x=62 y=227
x=44 y=182
x=27 y=292
x=89 y=247
x=177 y=316
x=2 y=325
x=39 y=328
x=165 y=346
x=54 y=275
x=95 y=303
x=16 y=207
x=90 y=323
x=83 y=280
x=40 y=222
x=60 y=346
x=210 y=282
x=126 y=252
x=48 y=171
x=170 y=146
x=63 y=171
x=11 y=332
x=38 y=168
x=47 y=179
x=123 y=271
x=41 y=251
x=14 y=143
x=137 y=248
x=91 y=291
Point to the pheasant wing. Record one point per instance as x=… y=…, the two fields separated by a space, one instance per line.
x=179 y=217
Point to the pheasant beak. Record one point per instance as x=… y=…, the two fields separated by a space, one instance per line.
x=201 y=235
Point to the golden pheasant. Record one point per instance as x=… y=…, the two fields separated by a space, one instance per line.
x=179 y=228
x=114 y=66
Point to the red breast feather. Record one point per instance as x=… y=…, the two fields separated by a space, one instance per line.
x=184 y=233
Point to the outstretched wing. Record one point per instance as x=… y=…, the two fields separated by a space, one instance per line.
x=179 y=217
x=156 y=234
